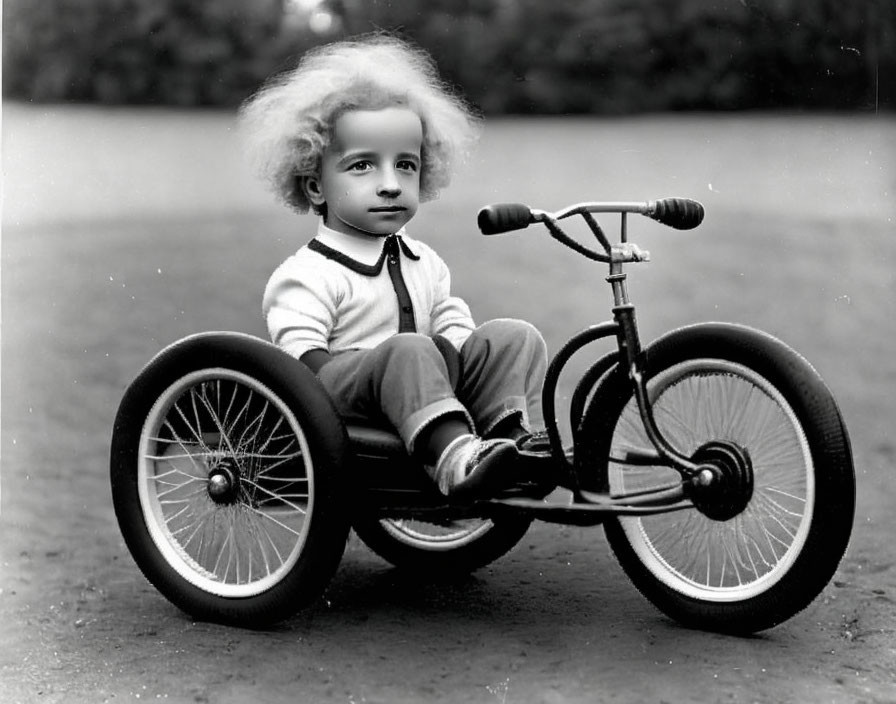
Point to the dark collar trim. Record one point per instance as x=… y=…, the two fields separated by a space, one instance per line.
x=316 y=245
x=407 y=250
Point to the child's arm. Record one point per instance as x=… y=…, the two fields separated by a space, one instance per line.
x=450 y=316
x=300 y=309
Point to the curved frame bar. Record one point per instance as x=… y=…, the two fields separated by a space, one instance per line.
x=586 y=385
x=577 y=342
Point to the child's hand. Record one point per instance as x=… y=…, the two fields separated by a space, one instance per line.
x=315 y=359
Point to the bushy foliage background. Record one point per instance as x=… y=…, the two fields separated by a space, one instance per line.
x=508 y=56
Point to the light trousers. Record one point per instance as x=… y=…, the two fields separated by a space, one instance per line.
x=404 y=381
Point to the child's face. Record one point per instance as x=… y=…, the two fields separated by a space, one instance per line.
x=370 y=173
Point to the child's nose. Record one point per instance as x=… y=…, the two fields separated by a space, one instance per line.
x=389 y=185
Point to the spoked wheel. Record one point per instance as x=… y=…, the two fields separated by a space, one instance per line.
x=224 y=480
x=445 y=549
x=768 y=532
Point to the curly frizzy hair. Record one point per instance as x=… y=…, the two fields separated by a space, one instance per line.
x=288 y=124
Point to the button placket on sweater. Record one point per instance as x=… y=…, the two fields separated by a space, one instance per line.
x=406 y=321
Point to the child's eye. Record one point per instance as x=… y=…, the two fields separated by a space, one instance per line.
x=406 y=165
x=361 y=166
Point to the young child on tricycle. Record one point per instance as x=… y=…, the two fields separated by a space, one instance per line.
x=361 y=132
x=715 y=457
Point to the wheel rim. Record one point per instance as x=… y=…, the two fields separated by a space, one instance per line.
x=225 y=482
x=436 y=537
x=702 y=401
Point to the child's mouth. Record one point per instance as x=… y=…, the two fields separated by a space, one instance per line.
x=387 y=209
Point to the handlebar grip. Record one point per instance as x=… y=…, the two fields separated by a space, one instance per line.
x=680 y=213
x=503 y=217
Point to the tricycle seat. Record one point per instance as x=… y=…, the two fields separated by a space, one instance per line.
x=375 y=442
x=381 y=462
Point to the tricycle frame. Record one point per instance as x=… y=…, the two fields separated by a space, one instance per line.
x=227 y=426
x=588 y=506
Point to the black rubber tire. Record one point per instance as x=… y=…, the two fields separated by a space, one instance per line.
x=823 y=536
x=407 y=547
x=297 y=414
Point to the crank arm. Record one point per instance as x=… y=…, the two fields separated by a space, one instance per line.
x=641 y=457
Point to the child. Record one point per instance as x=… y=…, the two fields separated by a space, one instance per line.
x=361 y=132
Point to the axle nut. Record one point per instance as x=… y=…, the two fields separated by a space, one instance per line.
x=705 y=477
x=218 y=485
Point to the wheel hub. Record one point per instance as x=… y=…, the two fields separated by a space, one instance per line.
x=223 y=482
x=724 y=486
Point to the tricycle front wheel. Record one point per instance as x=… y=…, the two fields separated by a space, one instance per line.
x=763 y=545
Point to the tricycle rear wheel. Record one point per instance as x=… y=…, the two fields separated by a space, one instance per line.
x=444 y=549
x=226 y=462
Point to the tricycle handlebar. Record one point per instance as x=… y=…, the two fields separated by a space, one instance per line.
x=679 y=213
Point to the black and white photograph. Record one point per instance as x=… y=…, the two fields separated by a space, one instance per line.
x=457 y=351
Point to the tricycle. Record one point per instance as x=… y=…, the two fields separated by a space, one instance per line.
x=715 y=458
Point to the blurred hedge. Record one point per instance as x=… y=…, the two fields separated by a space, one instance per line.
x=550 y=56
x=179 y=52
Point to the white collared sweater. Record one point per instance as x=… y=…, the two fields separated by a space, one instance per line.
x=314 y=302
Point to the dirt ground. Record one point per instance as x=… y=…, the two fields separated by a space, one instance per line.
x=86 y=302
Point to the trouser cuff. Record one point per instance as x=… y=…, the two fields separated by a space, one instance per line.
x=418 y=420
x=514 y=406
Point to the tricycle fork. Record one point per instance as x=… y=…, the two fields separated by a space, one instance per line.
x=630 y=350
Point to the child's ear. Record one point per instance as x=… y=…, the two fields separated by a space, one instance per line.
x=313 y=191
